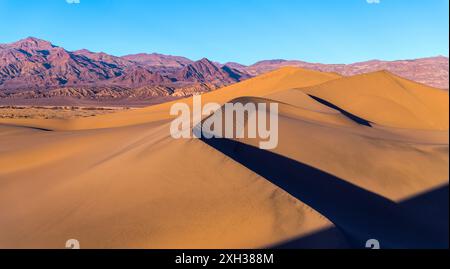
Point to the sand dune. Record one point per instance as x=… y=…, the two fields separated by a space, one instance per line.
x=388 y=100
x=121 y=181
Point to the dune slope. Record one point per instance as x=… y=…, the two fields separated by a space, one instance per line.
x=388 y=100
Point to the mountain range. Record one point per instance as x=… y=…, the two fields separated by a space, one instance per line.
x=34 y=69
x=432 y=71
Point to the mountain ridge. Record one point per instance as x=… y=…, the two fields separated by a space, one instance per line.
x=32 y=68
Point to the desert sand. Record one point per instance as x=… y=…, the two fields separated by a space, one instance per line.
x=358 y=158
x=54 y=112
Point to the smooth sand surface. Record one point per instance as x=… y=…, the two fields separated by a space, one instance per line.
x=121 y=181
x=388 y=100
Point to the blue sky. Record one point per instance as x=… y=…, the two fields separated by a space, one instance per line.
x=245 y=31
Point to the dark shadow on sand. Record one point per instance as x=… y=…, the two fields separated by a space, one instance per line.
x=421 y=222
x=344 y=112
x=27 y=127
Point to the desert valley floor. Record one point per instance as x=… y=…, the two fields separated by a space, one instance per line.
x=361 y=157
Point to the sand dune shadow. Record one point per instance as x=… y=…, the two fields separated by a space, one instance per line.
x=358 y=213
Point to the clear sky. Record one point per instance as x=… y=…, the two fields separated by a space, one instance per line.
x=245 y=31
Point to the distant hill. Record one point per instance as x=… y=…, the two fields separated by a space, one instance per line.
x=432 y=71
